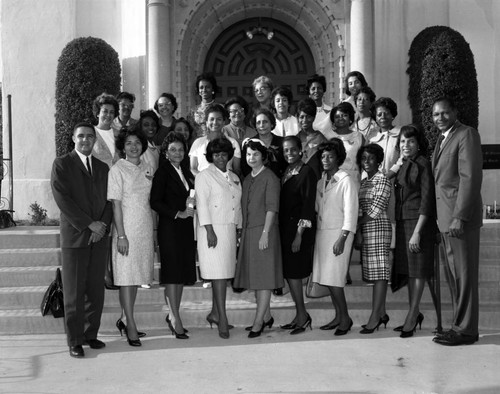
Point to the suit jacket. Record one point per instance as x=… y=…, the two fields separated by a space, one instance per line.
x=80 y=197
x=168 y=194
x=457 y=169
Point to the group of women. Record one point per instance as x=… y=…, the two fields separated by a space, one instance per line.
x=261 y=196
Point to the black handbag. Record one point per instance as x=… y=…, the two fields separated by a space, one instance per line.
x=52 y=301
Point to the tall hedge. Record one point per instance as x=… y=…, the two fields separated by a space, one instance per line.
x=441 y=63
x=87 y=67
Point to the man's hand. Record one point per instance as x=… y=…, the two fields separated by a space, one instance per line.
x=98 y=227
x=456 y=228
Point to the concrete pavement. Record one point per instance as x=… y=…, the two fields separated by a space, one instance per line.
x=313 y=362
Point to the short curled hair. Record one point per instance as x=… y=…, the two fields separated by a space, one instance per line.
x=293 y=138
x=218 y=145
x=102 y=99
x=368 y=91
x=125 y=96
x=149 y=113
x=236 y=100
x=345 y=108
x=185 y=121
x=282 y=91
x=316 y=78
x=130 y=132
x=172 y=99
x=336 y=146
x=410 y=131
x=387 y=103
x=216 y=107
x=308 y=106
x=206 y=76
x=374 y=149
x=266 y=112
x=256 y=145
x=264 y=80
x=171 y=138
x=356 y=74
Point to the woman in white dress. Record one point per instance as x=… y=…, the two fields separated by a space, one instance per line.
x=337 y=208
x=129 y=185
x=105 y=108
x=218 y=203
x=286 y=123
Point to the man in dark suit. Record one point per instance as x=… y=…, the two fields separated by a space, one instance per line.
x=457 y=167
x=79 y=184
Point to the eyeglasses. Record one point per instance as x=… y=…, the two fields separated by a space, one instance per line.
x=261 y=89
x=236 y=111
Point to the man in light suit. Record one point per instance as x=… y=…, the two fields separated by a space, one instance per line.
x=79 y=184
x=457 y=166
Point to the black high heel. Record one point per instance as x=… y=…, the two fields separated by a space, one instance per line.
x=301 y=329
x=383 y=320
x=289 y=326
x=339 y=331
x=122 y=327
x=420 y=319
x=178 y=336
x=134 y=342
x=255 y=334
x=268 y=323
x=407 y=334
x=330 y=326
x=211 y=321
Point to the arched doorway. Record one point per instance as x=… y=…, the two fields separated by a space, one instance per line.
x=237 y=60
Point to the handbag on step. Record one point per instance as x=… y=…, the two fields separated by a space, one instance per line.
x=52 y=301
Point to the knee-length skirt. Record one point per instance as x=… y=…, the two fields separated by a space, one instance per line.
x=375 y=250
x=218 y=262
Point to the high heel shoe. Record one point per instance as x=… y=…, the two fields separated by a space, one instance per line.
x=268 y=323
x=172 y=328
x=289 y=326
x=211 y=321
x=420 y=319
x=383 y=320
x=122 y=327
x=255 y=334
x=303 y=327
x=330 y=326
x=407 y=334
x=133 y=342
x=339 y=331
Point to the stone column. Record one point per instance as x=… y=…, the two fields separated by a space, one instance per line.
x=362 y=38
x=159 y=44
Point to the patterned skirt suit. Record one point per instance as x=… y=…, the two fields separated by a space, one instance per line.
x=374 y=197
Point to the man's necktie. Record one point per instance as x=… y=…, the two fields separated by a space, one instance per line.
x=88 y=166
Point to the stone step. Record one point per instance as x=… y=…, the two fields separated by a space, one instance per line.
x=32 y=257
x=152 y=317
x=27 y=237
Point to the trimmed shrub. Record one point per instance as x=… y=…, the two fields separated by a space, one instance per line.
x=86 y=68
x=441 y=64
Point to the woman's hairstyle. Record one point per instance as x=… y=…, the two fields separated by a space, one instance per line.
x=387 y=103
x=368 y=91
x=345 y=108
x=237 y=100
x=102 y=99
x=218 y=145
x=255 y=144
x=264 y=81
x=206 y=76
x=266 y=112
x=129 y=132
x=308 y=106
x=169 y=96
x=171 y=138
x=336 y=146
x=216 y=107
x=282 y=91
x=410 y=131
x=316 y=78
x=149 y=113
x=125 y=96
x=293 y=138
x=356 y=74
x=374 y=149
x=185 y=121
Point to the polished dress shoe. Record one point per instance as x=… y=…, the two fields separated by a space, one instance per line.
x=94 y=343
x=122 y=327
x=330 y=326
x=255 y=334
x=453 y=338
x=268 y=323
x=339 y=331
x=76 y=351
x=134 y=342
x=300 y=329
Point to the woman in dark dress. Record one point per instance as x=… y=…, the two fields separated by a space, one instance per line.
x=297 y=228
x=170 y=198
x=415 y=223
